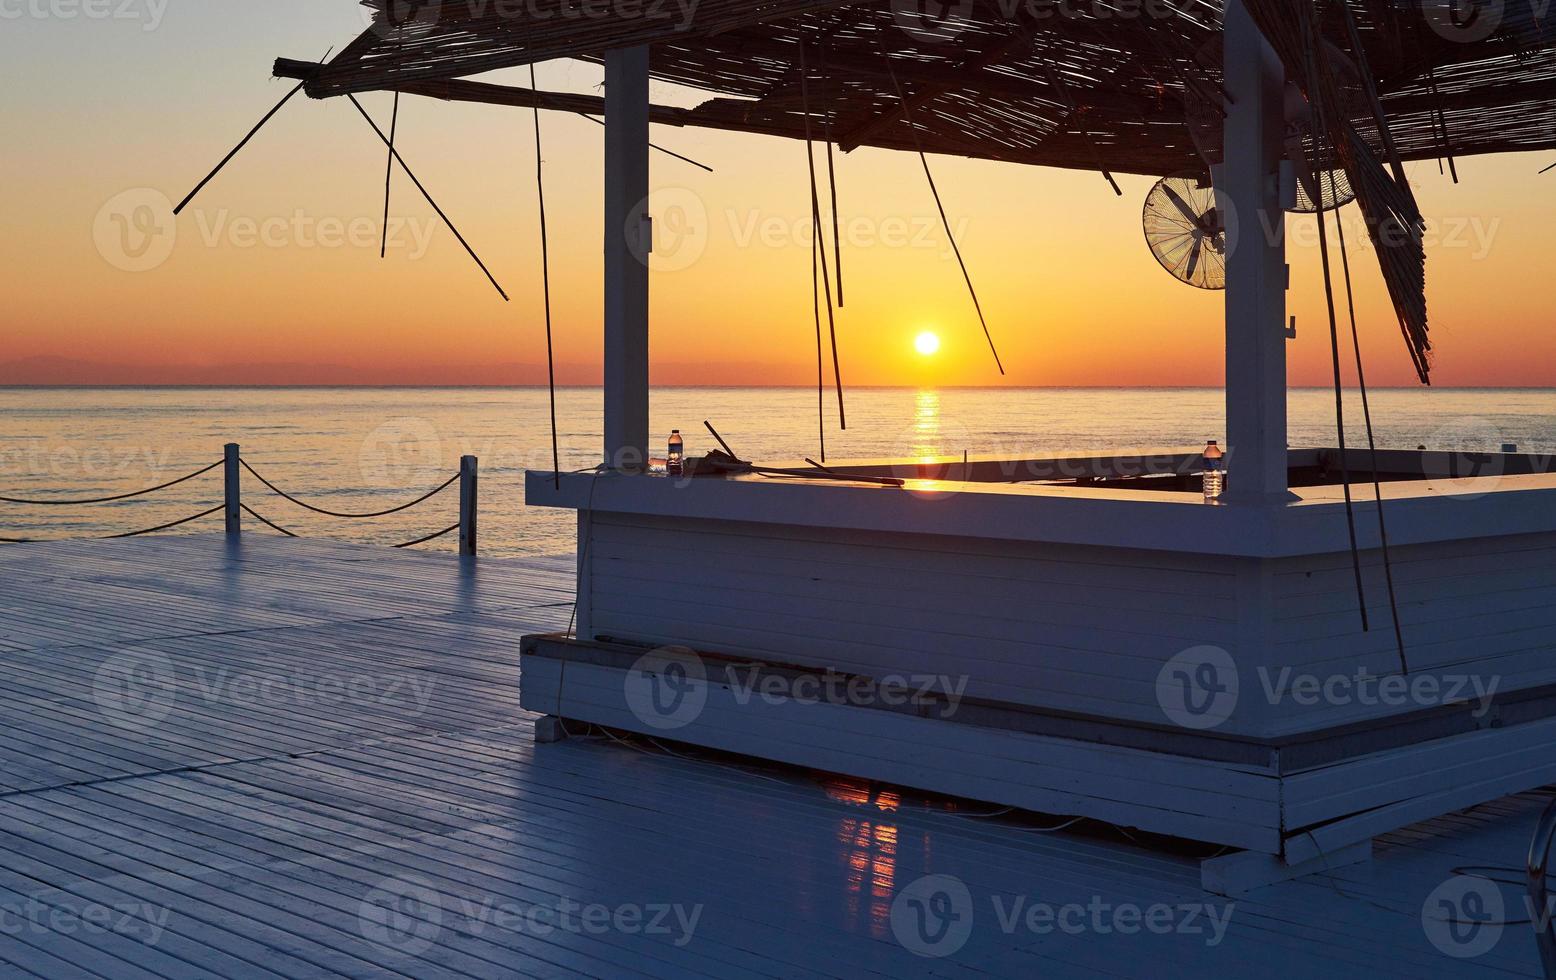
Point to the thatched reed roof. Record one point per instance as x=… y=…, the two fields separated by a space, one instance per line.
x=1088 y=84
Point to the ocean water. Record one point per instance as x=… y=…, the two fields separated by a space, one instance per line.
x=358 y=449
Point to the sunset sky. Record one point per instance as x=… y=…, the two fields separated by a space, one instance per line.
x=97 y=108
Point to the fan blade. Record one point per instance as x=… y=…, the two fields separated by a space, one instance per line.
x=1183 y=206
x=1199 y=243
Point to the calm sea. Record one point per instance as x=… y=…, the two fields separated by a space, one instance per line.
x=367 y=449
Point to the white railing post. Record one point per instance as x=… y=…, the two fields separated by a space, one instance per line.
x=232 y=485
x=469 y=469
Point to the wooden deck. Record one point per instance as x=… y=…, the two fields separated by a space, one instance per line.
x=300 y=759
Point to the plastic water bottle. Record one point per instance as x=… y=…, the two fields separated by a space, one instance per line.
x=675 y=459
x=1214 y=470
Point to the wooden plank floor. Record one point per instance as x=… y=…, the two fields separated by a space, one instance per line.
x=303 y=759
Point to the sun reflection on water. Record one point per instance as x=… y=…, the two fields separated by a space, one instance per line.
x=926 y=425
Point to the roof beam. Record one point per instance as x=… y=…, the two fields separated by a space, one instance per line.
x=458 y=90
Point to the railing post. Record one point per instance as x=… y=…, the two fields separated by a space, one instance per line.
x=469 y=472
x=233 y=483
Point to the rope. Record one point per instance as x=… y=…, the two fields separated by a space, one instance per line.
x=164 y=527
x=120 y=537
x=263 y=520
x=907 y=116
x=816 y=238
x=330 y=513
x=545 y=282
x=431 y=537
x=109 y=500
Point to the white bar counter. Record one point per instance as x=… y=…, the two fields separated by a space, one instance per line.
x=1138 y=655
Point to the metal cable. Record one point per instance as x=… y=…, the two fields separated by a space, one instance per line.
x=1372 y=442
x=263 y=520
x=424 y=193
x=818 y=239
x=907 y=117
x=330 y=513
x=394 y=127
x=109 y=500
x=545 y=283
x=837 y=237
x=1310 y=38
x=431 y=537
x=245 y=141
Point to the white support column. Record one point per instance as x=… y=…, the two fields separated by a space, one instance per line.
x=627 y=242
x=1256 y=267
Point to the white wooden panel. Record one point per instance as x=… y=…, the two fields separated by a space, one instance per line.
x=1056 y=626
x=1478 y=608
x=1172 y=795
x=1386 y=778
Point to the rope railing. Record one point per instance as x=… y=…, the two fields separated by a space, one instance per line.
x=110 y=500
x=266 y=521
x=234 y=507
x=129 y=534
x=330 y=513
x=431 y=537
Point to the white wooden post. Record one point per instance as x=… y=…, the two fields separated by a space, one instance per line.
x=627 y=241
x=232 y=492
x=469 y=494
x=1256 y=276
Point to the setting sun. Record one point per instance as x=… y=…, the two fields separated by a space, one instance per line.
x=927 y=343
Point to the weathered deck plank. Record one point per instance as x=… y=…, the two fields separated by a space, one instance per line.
x=305 y=759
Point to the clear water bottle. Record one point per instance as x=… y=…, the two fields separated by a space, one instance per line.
x=1214 y=470
x=675 y=460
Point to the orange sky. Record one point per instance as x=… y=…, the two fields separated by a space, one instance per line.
x=277 y=263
